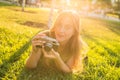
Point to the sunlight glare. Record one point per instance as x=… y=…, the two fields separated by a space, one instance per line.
x=68 y=2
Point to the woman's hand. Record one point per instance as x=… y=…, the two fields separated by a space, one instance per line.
x=37 y=42
x=51 y=54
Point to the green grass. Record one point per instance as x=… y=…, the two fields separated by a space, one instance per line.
x=17 y=28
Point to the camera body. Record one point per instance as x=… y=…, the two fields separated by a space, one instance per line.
x=50 y=43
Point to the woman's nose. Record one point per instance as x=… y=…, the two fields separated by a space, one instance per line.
x=62 y=29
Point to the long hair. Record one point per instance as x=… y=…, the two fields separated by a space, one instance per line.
x=73 y=45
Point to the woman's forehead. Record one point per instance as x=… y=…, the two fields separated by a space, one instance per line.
x=65 y=16
x=65 y=19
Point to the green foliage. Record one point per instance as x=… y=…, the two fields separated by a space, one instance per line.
x=17 y=28
x=5 y=4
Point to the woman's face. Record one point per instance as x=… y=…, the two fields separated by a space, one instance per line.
x=64 y=29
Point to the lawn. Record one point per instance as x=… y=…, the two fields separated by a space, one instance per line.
x=17 y=28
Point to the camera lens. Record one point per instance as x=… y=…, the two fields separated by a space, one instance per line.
x=48 y=46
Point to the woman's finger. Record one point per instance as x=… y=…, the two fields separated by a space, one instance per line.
x=43 y=50
x=37 y=42
x=37 y=37
x=41 y=34
x=54 y=52
x=40 y=42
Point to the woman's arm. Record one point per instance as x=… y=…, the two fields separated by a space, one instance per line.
x=33 y=59
x=35 y=55
x=61 y=65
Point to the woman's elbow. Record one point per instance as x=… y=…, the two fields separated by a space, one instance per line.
x=29 y=65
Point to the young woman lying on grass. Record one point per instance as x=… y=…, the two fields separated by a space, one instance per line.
x=68 y=58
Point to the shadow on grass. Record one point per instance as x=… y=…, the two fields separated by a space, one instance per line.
x=5 y=4
x=34 y=24
x=111 y=25
x=114 y=28
x=13 y=58
x=109 y=51
x=43 y=73
x=20 y=10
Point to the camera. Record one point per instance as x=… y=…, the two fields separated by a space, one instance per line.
x=50 y=43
